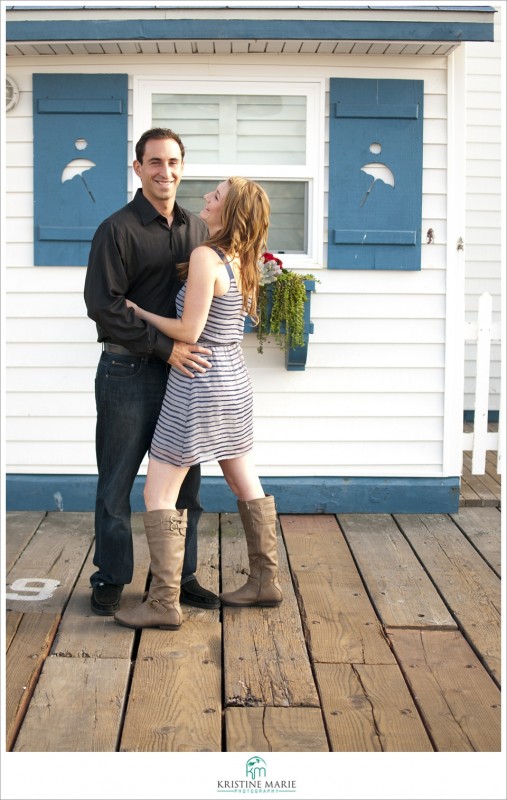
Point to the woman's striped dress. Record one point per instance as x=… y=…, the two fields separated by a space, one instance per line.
x=209 y=416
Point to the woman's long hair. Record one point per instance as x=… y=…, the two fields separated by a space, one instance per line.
x=244 y=233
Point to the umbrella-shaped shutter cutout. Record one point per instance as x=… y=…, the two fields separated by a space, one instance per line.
x=379 y=172
x=75 y=169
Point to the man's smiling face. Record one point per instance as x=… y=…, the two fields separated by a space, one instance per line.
x=160 y=171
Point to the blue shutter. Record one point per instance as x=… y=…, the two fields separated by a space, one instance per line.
x=375 y=174
x=80 y=161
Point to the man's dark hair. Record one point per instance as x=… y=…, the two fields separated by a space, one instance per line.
x=157 y=133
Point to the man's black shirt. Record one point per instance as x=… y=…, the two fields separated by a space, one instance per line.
x=133 y=255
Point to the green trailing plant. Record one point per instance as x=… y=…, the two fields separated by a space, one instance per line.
x=287 y=312
x=262 y=328
x=281 y=304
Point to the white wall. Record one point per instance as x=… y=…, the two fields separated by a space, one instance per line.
x=371 y=400
x=483 y=257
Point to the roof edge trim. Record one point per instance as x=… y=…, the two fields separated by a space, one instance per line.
x=178 y=29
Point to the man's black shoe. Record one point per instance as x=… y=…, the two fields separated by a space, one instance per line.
x=192 y=594
x=106 y=598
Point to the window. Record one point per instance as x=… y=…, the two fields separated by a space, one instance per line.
x=269 y=131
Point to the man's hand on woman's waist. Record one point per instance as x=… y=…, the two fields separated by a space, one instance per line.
x=189 y=356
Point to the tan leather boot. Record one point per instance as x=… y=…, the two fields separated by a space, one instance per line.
x=165 y=531
x=262 y=587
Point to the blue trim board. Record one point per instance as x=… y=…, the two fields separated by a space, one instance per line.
x=217 y=28
x=469 y=416
x=315 y=495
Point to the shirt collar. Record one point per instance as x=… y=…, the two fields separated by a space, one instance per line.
x=148 y=213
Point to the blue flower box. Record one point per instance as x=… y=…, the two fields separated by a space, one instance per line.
x=295 y=357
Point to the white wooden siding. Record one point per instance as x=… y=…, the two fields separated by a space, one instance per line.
x=483 y=257
x=371 y=400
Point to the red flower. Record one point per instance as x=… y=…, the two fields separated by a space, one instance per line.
x=270 y=257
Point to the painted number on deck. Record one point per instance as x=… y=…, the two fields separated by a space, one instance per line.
x=32 y=589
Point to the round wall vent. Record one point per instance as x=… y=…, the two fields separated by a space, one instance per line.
x=11 y=93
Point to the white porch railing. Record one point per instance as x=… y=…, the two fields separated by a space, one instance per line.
x=483 y=332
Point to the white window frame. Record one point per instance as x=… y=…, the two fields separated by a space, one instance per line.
x=312 y=171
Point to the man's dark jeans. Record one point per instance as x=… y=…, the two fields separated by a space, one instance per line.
x=129 y=391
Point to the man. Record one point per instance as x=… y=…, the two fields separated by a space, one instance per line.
x=133 y=255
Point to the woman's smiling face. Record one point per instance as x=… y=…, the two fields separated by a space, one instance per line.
x=212 y=211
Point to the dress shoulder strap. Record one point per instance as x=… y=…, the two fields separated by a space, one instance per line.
x=225 y=260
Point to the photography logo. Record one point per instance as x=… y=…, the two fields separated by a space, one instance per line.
x=256 y=780
x=255 y=768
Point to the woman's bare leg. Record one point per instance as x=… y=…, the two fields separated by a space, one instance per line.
x=163 y=484
x=241 y=476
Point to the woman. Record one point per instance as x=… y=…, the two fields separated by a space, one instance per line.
x=209 y=416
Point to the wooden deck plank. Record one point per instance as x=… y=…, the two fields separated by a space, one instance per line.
x=340 y=622
x=43 y=577
x=76 y=707
x=483 y=528
x=20 y=527
x=456 y=697
x=275 y=730
x=400 y=589
x=488 y=484
x=469 y=585
x=467 y=495
x=265 y=657
x=12 y=622
x=481 y=485
x=368 y=708
x=476 y=490
x=83 y=633
x=28 y=649
x=491 y=465
x=175 y=700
